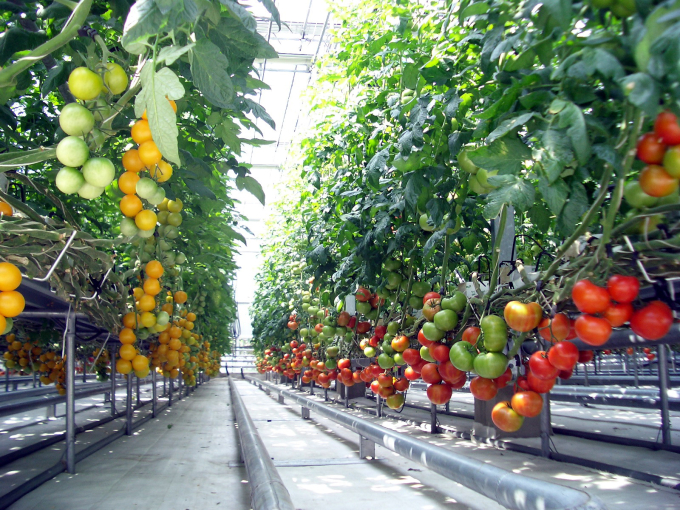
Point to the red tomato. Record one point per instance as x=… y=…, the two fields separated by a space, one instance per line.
x=363 y=294
x=623 y=289
x=506 y=418
x=376 y=301
x=593 y=330
x=541 y=367
x=421 y=338
x=448 y=372
x=318 y=328
x=471 y=334
x=555 y=329
x=630 y=351
x=411 y=356
x=363 y=327
x=458 y=383
x=503 y=380
x=430 y=373
x=293 y=344
x=344 y=363
x=651 y=356
x=439 y=393
x=522 y=317
x=656 y=182
x=385 y=380
x=439 y=352
x=352 y=322
x=653 y=321
x=563 y=355
x=483 y=389
x=666 y=126
x=572 y=330
x=356 y=376
x=523 y=383
x=565 y=374
x=527 y=403
x=374 y=341
x=585 y=356
x=651 y=149
x=646 y=350
x=376 y=369
x=431 y=295
x=430 y=308
x=419 y=366
x=607 y=351
x=539 y=385
x=402 y=384
x=380 y=331
x=343 y=319
x=618 y=314
x=411 y=374
x=589 y=298
x=386 y=392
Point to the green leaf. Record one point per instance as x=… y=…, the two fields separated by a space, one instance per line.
x=509 y=125
x=555 y=155
x=230 y=233
x=258 y=111
x=474 y=9
x=410 y=76
x=269 y=5
x=571 y=117
x=432 y=241
x=55 y=77
x=251 y=185
x=17 y=39
x=10 y=160
x=507 y=155
x=511 y=190
x=209 y=70
x=200 y=188
x=576 y=206
x=144 y=20
x=555 y=194
x=598 y=59
x=540 y=217
x=170 y=54
x=643 y=92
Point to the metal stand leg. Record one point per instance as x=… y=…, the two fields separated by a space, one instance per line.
x=305 y=413
x=139 y=396
x=112 y=353
x=378 y=406
x=6 y=379
x=433 y=419
x=545 y=426
x=70 y=394
x=165 y=388
x=663 y=392
x=154 y=393
x=179 y=391
x=280 y=399
x=635 y=368
x=311 y=387
x=366 y=448
x=128 y=407
x=170 y=393
x=585 y=375
x=325 y=394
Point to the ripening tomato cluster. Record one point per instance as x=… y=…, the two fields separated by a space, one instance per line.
x=604 y=308
x=660 y=149
x=12 y=302
x=5 y=209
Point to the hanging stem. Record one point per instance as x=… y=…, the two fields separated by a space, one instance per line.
x=496 y=255
x=445 y=264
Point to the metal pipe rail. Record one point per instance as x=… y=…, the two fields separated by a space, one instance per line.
x=511 y=490
x=38 y=391
x=14 y=407
x=267 y=491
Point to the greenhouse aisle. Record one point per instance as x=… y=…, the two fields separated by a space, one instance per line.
x=179 y=461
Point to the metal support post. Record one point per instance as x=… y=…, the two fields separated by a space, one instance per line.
x=34 y=380
x=84 y=370
x=595 y=360
x=585 y=375
x=139 y=396
x=71 y=393
x=51 y=411
x=128 y=407
x=366 y=448
x=545 y=426
x=6 y=379
x=346 y=397
x=325 y=394
x=663 y=393
x=433 y=419
x=447 y=407
x=635 y=367
x=165 y=386
x=378 y=406
x=112 y=354
x=154 y=393
x=179 y=391
x=170 y=393
x=311 y=387
x=305 y=413
x=280 y=399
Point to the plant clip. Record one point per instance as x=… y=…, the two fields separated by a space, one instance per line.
x=553 y=311
x=610 y=252
x=88 y=32
x=539 y=285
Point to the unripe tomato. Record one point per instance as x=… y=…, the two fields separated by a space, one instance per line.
x=656 y=182
x=527 y=403
x=84 y=84
x=506 y=418
x=115 y=78
x=495 y=333
x=653 y=321
x=522 y=317
x=651 y=149
x=589 y=298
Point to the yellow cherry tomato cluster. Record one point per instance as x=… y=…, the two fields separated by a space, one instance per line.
x=12 y=302
x=22 y=356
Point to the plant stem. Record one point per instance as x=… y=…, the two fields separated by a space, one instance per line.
x=445 y=264
x=496 y=255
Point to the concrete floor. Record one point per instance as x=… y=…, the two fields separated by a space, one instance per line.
x=179 y=461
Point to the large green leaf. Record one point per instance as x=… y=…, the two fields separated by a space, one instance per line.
x=251 y=185
x=209 y=70
x=507 y=155
x=511 y=190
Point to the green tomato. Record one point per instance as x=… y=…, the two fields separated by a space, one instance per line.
x=425 y=354
x=304 y=332
x=369 y=351
x=349 y=336
x=462 y=356
x=445 y=320
x=466 y=164
x=329 y=321
x=332 y=351
x=320 y=314
x=482 y=177
x=456 y=302
x=115 y=79
x=314 y=333
x=331 y=364
x=420 y=288
x=69 y=180
x=393 y=328
x=99 y=172
x=387 y=348
x=393 y=280
x=671 y=199
x=146 y=188
x=175 y=219
x=329 y=331
x=392 y=265
x=72 y=151
x=312 y=309
x=424 y=223
x=432 y=332
x=88 y=191
x=623 y=8
x=385 y=361
x=415 y=302
x=398 y=359
x=490 y=364
x=373 y=314
x=340 y=330
x=84 y=84
x=495 y=332
x=76 y=120
x=364 y=308
x=476 y=187
x=423 y=199
x=636 y=197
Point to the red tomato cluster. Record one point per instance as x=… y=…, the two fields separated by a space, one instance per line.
x=605 y=308
x=660 y=149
